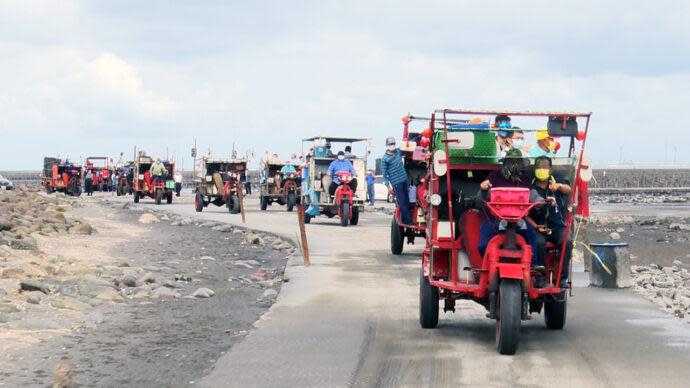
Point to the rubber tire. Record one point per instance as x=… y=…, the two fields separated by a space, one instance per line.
x=136 y=197
x=509 y=316
x=169 y=197
x=355 y=216
x=555 y=314
x=198 y=202
x=428 y=303
x=235 y=205
x=345 y=211
x=118 y=191
x=263 y=202
x=159 y=196
x=77 y=193
x=307 y=218
x=49 y=190
x=291 y=201
x=397 y=238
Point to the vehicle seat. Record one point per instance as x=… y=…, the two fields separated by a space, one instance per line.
x=551 y=246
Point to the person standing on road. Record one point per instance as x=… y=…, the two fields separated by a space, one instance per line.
x=88 y=182
x=395 y=177
x=370 y=187
x=178 y=183
x=247 y=183
x=113 y=181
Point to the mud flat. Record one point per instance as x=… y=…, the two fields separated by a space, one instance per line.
x=142 y=299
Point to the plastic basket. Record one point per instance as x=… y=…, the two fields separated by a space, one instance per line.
x=483 y=151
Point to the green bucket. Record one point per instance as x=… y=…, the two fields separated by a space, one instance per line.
x=483 y=152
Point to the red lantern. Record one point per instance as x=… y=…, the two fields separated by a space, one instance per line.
x=580 y=135
x=426 y=133
x=406 y=119
x=424 y=142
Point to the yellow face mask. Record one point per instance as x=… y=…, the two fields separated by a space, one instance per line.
x=542 y=174
x=552 y=146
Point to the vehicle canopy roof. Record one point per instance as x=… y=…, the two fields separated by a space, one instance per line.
x=337 y=139
x=508 y=112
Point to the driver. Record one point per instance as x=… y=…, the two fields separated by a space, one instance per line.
x=511 y=174
x=158 y=170
x=288 y=168
x=341 y=165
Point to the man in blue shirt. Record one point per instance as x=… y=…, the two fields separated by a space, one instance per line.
x=395 y=177
x=370 y=187
x=341 y=165
x=288 y=168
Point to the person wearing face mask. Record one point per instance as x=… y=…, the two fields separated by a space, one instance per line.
x=158 y=170
x=395 y=178
x=549 y=221
x=341 y=165
x=511 y=174
x=545 y=145
x=502 y=122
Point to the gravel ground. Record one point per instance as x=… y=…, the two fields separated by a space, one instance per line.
x=195 y=289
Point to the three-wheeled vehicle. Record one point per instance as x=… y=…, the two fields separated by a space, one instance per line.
x=462 y=156
x=145 y=185
x=278 y=187
x=344 y=202
x=415 y=158
x=61 y=176
x=220 y=184
x=125 y=179
x=101 y=169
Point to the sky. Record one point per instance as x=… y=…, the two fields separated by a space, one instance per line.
x=87 y=78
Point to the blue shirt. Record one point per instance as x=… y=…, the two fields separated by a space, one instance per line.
x=370 y=180
x=288 y=169
x=393 y=169
x=536 y=152
x=337 y=166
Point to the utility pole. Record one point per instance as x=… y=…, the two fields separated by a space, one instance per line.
x=194 y=161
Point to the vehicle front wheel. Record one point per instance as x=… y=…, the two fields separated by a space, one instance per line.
x=159 y=196
x=263 y=202
x=198 y=202
x=136 y=197
x=509 y=316
x=355 y=216
x=234 y=205
x=307 y=218
x=168 y=197
x=291 y=200
x=428 y=303
x=555 y=313
x=344 y=213
x=397 y=238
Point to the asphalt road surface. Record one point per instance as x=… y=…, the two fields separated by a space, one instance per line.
x=351 y=319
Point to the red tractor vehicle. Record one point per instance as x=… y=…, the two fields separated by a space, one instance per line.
x=415 y=160
x=463 y=153
x=220 y=184
x=101 y=169
x=61 y=176
x=146 y=185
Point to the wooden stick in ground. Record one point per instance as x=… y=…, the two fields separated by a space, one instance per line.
x=240 y=195
x=303 y=234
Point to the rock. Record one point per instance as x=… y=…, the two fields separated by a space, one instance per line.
x=209 y=224
x=223 y=228
x=26 y=243
x=620 y=230
x=11 y=272
x=171 y=284
x=186 y=221
x=203 y=293
x=202 y=258
x=146 y=278
x=679 y=227
x=668 y=270
x=148 y=218
x=81 y=229
x=270 y=293
x=164 y=292
x=183 y=278
x=128 y=281
x=614 y=236
x=5 y=224
x=8 y=308
x=67 y=303
x=110 y=295
x=33 y=299
x=96 y=317
x=253 y=239
x=34 y=285
x=36 y=324
x=677 y=263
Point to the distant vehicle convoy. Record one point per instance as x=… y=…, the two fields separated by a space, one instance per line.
x=61 y=176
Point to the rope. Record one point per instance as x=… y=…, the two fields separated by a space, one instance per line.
x=575 y=242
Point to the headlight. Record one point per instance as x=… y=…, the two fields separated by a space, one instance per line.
x=209 y=178
x=502 y=225
x=435 y=199
x=141 y=176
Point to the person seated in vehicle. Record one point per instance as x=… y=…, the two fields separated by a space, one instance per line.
x=503 y=123
x=288 y=169
x=546 y=145
x=515 y=140
x=348 y=152
x=549 y=221
x=158 y=171
x=395 y=178
x=329 y=153
x=341 y=165
x=511 y=174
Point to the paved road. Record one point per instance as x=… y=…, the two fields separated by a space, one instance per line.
x=351 y=320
